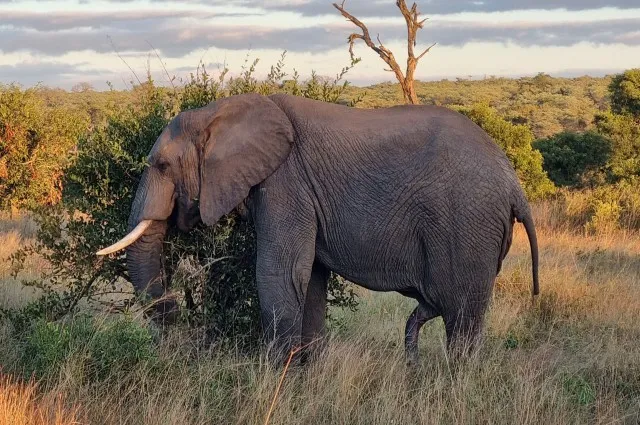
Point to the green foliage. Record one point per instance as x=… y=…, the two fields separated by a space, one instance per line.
x=44 y=349
x=625 y=93
x=516 y=142
x=546 y=104
x=98 y=349
x=212 y=268
x=215 y=270
x=581 y=391
x=575 y=159
x=605 y=215
x=598 y=210
x=624 y=133
x=118 y=346
x=35 y=142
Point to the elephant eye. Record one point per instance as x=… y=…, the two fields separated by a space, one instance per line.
x=162 y=166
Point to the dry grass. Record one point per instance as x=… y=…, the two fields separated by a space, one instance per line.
x=574 y=358
x=20 y=404
x=16 y=232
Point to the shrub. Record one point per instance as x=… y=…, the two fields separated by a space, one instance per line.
x=624 y=133
x=45 y=348
x=604 y=215
x=516 y=142
x=575 y=159
x=118 y=346
x=625 y=93
x=212 y=267
x=96 y=349
x=597 y=211
x=35 y=142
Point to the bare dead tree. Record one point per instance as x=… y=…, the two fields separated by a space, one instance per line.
x=413 y=25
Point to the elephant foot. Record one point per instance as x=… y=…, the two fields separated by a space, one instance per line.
x=420 y=315
x=412 y=358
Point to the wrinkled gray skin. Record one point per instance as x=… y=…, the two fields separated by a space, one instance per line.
x=413 y=199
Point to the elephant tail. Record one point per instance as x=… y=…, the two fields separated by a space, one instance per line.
x=523 y=215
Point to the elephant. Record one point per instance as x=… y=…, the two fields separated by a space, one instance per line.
x=415 y=199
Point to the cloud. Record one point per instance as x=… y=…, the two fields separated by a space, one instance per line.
x=536 y=34
x=177 y=40
x=87 y=19
x=386 y=8
x=31 y=73
x=383 y=8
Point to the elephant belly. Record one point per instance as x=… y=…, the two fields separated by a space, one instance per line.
x=388 y=263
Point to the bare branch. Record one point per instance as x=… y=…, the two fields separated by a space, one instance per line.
x=413 y=25
x=365 y=31
x=384 y=53
x=425 y=52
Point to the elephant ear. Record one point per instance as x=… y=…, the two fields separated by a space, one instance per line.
x=247 y=139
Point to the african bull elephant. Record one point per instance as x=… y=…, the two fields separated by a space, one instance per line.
x=413 y=199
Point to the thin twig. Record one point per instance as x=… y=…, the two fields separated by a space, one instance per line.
x=87 y=287
x=113 y=46
x=426 y=51
x=284 y=373
x=209 y=264
x=162 y=63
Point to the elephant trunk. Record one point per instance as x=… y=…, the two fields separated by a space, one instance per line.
x=146 y=271
x=145 y=256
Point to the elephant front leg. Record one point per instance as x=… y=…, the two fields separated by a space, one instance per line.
x=283 y=275
x=315 y=308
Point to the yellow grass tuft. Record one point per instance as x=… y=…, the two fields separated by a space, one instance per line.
x=20 y=404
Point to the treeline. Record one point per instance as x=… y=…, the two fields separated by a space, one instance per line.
x=545 y=104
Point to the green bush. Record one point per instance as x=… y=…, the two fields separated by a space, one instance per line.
x=516 y=141
x=213 y=268
x=96 y=349
x=118 y=347
x=624 y=133
x=625 y=93
x=35 y=145
x=575 y=159
x=45 y=348
x=597 y=211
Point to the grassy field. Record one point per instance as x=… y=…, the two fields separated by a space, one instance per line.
x=574 y=358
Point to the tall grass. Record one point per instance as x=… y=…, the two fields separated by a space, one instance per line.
x=16 y=231
x=603 y=210
x=573 y=358
x=20 y=404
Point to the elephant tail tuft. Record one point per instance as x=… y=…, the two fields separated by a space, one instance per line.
x=522 y=213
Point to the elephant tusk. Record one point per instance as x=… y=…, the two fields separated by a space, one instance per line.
x=128 y=239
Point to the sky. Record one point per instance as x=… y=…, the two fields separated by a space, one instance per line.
x=63 y=42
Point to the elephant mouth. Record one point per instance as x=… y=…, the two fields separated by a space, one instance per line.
x=187 y=214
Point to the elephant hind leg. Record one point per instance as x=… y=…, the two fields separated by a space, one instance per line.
x=464 y=327
x=421 y=315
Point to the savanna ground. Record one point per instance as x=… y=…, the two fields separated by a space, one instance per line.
x=573 y=358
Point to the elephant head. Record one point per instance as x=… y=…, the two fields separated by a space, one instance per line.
x=201 y=167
